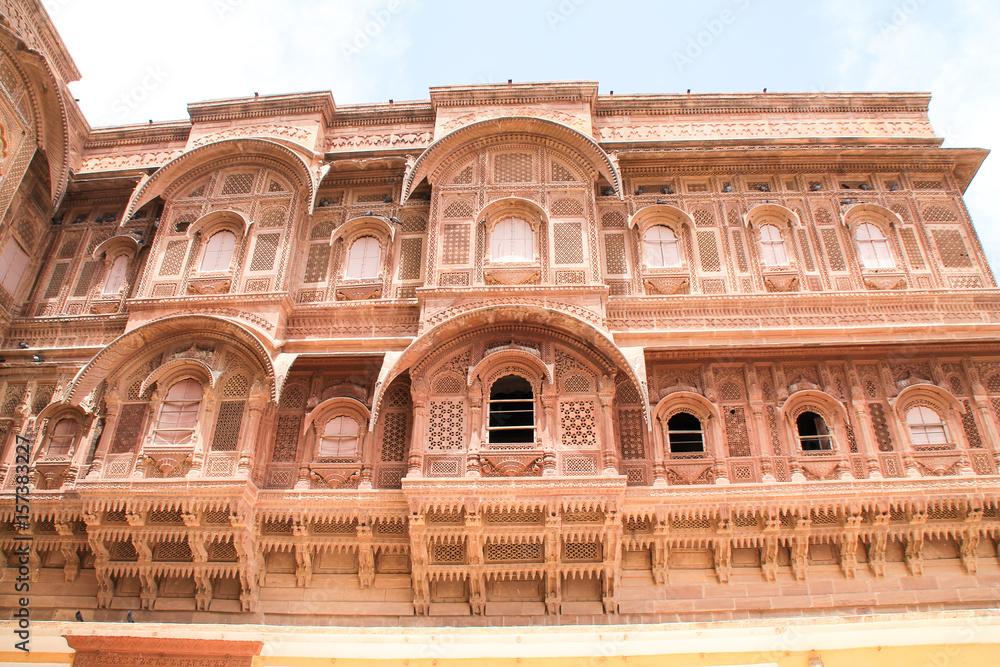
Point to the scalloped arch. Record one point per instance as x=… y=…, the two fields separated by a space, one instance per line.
x=438 y=153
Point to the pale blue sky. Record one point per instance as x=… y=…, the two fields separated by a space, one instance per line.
x=144 y=60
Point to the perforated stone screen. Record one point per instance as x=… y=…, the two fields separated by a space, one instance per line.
x=512 y=168
x=264 y=251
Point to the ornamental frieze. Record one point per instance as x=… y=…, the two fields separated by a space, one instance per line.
x=764 y=129
x=297 y=134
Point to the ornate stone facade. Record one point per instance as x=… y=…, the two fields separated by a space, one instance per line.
x=518 y=354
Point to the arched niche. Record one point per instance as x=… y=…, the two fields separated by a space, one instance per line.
x=365 y=225
x=882 y=217
x=771 y=214
x=659 y=214
x=180 y=369
x=216 y=221
x=508 y=207
x=116 y=246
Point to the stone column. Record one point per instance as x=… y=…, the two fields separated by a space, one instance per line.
x=606 y=431
x=990 y=436
x=255 y=410
x=476 y=424
x=418 y=436
x=112 y=410
x=659 y=464
x=548 y=425
x=865 y=434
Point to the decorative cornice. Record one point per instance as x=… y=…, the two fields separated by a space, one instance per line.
x=297 y=104
x=753 y=103
x=514 y=93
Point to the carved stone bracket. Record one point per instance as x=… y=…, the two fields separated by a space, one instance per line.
x=512 y=275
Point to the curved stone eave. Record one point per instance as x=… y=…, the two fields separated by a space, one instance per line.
x=58 y=164
x=157 y=183
x=440 y=149
x=528 y=314
x=117 y=351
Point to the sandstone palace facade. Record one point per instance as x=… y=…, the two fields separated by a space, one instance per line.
x=519 y=354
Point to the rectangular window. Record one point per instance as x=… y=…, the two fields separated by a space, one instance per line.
x=13 y=264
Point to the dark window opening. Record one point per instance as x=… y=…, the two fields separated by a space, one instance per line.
x=814 y=435
x=685 y=434
x=512 y=411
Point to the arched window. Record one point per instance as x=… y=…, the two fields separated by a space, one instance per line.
x=512 y=411
x=179 y=414
x=363 y=259
x=218 y=252
x=116 y=276
x=873 y=248
x=512 y=240
x=926 y=426
x=62 y=437
x=814 y=435
x=340 y=438
x=772 y=246
x=661 y=247
x=685 y=434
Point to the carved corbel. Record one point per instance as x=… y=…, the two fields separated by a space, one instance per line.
x=659 y=553
x=203 y=591
x=71 y=566
x=147 y=589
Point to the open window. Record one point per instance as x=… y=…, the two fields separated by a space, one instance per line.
x=179 y=414
x=511 y=411
x=772 y=246
x=363 y=259
x=62 y=436
x=339 y=438
x=13 y=264
x=926 y=426
x=116 y=276
x=512 y=240
x=661 y=247
x=685 y=434
x=873 y=248
x=218 y=252
x=814 y=435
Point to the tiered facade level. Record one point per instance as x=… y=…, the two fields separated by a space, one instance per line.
x=519 y=354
